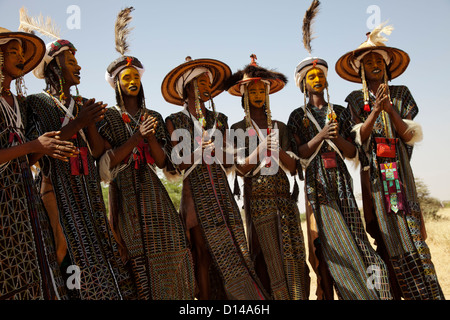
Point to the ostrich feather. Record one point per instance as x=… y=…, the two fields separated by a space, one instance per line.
x=375 y=35
x=308 y=20
x=122 y=30
x=29 y=24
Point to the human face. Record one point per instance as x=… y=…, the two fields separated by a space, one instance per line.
x=204 y=87
x=316 y=81
x=70 y=68
x=374 y=66
x=13 y=59
x=130 y=81
x=256 y=94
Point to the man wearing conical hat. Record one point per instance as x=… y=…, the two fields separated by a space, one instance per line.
x=72 y=190
x=214 y=226
x=340 y=252
x=385 y=134
x=272 y=217
x=28 y=267
x=142 y=216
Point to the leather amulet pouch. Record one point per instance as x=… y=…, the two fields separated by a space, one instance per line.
x=329 y=159
x=386 y=147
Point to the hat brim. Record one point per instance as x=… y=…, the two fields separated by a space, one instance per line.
x=33 y=48
x=275 y=85
x=399 y=62
x=219 y=70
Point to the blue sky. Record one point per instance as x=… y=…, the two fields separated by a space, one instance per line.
x=165 y=32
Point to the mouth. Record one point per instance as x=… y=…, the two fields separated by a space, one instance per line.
x=20 y=66
x=206 y=94
x=318 y=86
x=77 y=75
x=376 y=71
x=133 y=88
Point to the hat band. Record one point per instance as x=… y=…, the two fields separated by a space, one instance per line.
x=190 y=75
x=245 y=84
x=6 y=40
x=356 y=63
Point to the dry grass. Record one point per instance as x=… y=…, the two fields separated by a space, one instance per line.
x=439 y=243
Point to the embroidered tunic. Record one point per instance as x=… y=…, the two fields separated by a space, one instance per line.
x=275 y=216
x=400 y=231
x=336 y=217
x=144 y=217
x=82 y=212
x=28 y=267
x=217 y=213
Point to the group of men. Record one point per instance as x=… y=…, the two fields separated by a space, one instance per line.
x=57 y=242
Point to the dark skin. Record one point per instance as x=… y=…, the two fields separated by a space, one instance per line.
x=146 y=129
x=374 y=68
x=202 y=256
x=50 y=143
x=257 y=96
x=329 y=131
x=90 y=113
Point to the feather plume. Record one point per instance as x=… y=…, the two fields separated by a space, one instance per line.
x=375 y=35
x=46 y=28
x=308 y=20
x=122 y=30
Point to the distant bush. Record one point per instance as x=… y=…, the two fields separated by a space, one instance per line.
x=429 y=205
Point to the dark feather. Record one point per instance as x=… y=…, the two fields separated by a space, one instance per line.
x=122 y=30
x=308 y=20
x=254 y=72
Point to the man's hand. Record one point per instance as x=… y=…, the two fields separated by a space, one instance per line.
x=50 y=144
x=91 y=112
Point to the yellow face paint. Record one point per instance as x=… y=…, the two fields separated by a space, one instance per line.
x=316 y=81
x=130 y=81
x=374 y=66
x=256 y=94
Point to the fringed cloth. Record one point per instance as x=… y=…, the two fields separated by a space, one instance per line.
x=219 y=217
x=143 y=217
x=91 y=245
x=402 y=232
x=336 y=219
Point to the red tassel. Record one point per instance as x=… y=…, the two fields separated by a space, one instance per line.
x=367 y=107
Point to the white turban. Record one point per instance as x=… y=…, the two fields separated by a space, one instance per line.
x=188 y=76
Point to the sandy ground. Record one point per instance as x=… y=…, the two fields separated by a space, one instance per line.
x=438 y=241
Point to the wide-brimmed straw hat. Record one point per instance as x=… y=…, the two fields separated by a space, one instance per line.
x=396 y=60
x=174 y=82
x=254 y=72
x=33 y=47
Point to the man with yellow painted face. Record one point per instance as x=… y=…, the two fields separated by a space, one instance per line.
x=144 y=220
x=214 y=227
x=71 y=191
x=272 y=218
x=385 y=132
x=340 y=252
